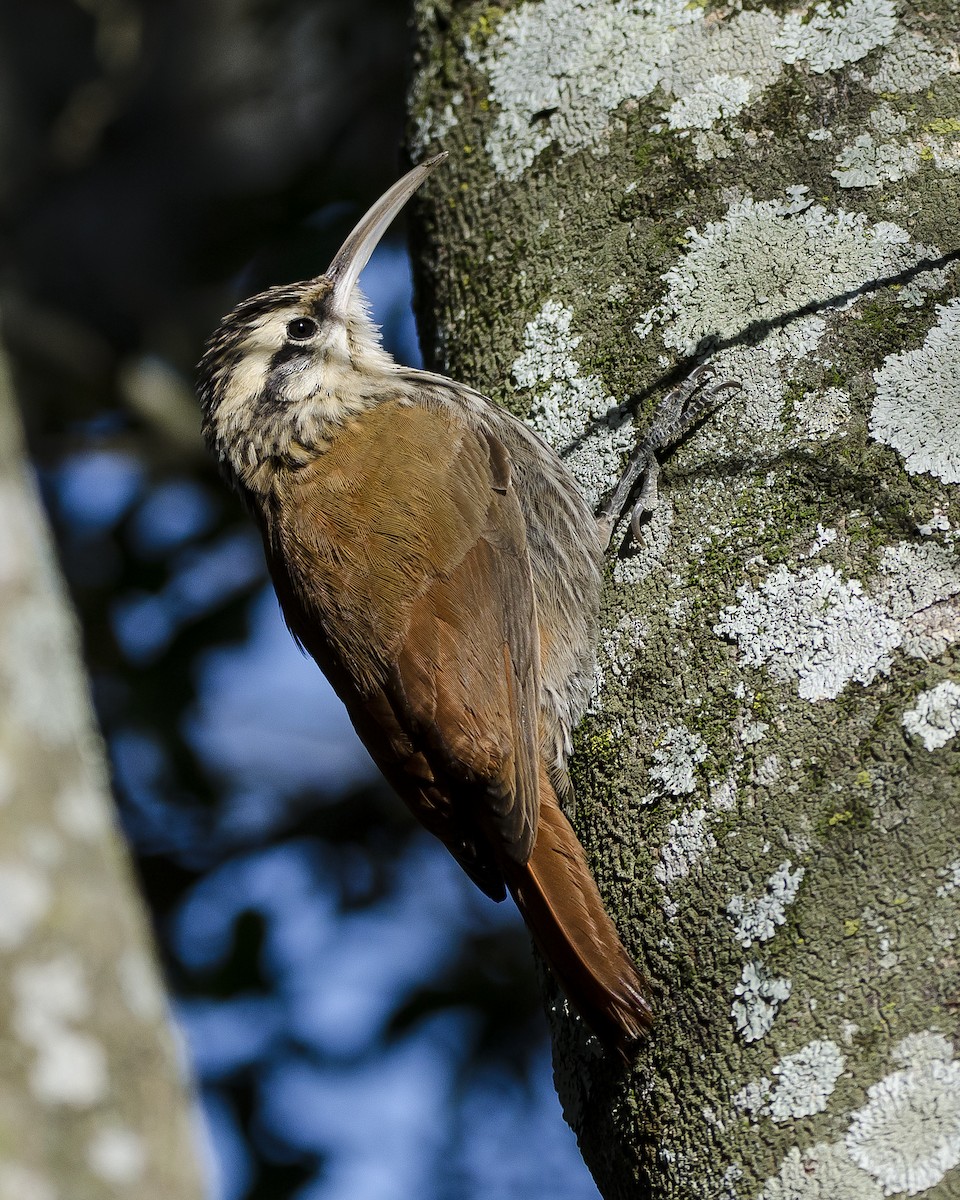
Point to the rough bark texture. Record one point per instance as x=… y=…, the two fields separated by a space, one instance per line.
x=93 y=1105
x=768 y=781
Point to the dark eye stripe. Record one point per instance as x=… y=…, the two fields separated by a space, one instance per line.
x=291 y=352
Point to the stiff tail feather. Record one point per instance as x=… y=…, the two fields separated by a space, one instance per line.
x=559 y=901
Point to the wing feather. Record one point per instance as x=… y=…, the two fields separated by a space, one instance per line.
x=401 y=563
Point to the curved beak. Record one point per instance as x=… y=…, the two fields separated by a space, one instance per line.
x=355 y=252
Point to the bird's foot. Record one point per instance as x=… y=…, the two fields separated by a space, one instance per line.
x=676 y=414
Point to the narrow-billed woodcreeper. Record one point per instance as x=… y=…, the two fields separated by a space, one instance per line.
x=436 y=559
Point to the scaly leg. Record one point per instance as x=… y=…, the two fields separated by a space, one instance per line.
x=678 y=411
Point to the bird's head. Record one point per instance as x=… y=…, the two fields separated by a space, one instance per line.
x=286 y=368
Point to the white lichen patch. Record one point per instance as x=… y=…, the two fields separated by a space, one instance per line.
x=907 y=1135
x=81 y=810
x=823 y=539
x=567 y=403
x=688 y=840
x=708 y=145
x=20 y=1182
x=675 y=760
x=25 y=899
x=720 y=95
x=935 y=718
x=617 y=653
x=697 y=68
x=920 y=587
x=42 y=845
x=70 y=1066
x=752 y=417
x=813 y=627
x=805 y=1080
x=39 y=693
x=756 y=918
x=715 y=69
x=821 y=1172
x=828 y=37
x=879 y=155
x=723 y=793
x=943 y=149
x=649 y=554
x=951 y=876
x=822 y=415
x=56 y=990
x=910 y=63
x=556 y=72
x=767 y=771
x=867 y=162
x=887 y=121
x=759 y=997
x=939 y=522
x=432 y=126
x=729 y=1180
x=752 y=1098
x=887 y=959
x=117 y=1155
x=920 y=1049
x=753 y=732
x=139 y=985
x=916 y=409
x=789 y=256
x=803 y=1083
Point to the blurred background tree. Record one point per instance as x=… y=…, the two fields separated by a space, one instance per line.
x=362 y=1022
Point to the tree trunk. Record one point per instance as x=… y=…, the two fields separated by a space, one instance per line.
x=768 y=780
x=93 y=1103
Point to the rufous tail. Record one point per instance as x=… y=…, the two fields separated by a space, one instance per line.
x=559 y=901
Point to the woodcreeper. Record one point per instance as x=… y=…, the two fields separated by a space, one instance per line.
x=436 y=559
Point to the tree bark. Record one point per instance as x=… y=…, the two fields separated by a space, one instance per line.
x=768 y=779
x=93 y=1100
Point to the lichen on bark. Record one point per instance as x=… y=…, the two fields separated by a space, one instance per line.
x=773 y=734
x=94 y=1104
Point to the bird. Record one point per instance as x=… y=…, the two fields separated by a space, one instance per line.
x=436 y=559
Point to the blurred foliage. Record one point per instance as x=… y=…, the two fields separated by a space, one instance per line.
x=159 y=159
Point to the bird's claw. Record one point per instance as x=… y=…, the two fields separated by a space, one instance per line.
x=677 y=412
x=683 y=406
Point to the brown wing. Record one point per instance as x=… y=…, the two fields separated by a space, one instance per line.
x=401 y=564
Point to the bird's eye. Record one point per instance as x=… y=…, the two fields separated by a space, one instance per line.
x=302 y=328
